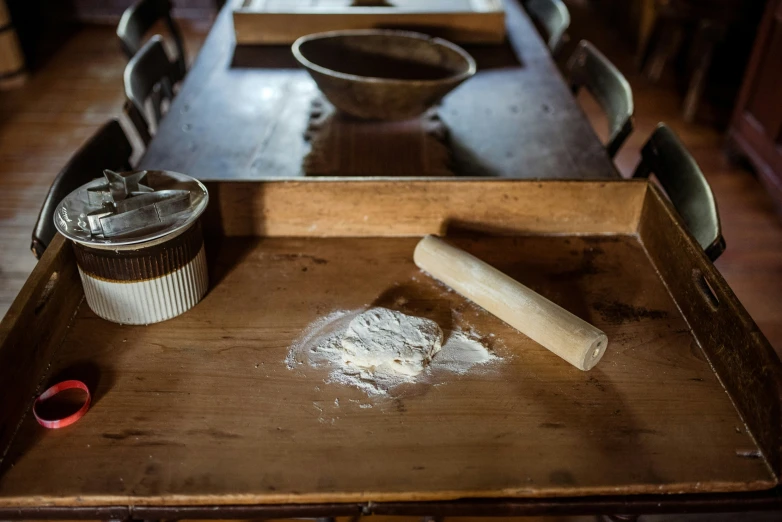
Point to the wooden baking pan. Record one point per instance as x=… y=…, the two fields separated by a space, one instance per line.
x=202 y=411
x=283 y=21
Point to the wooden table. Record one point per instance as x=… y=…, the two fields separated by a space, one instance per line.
x=242 y=114
x=243 y=111
x=546 y=136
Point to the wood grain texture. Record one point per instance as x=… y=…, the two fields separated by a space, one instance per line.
x=323 y=207
x=49 y=300
x=202 y=409
x=196 y=422
x=79 y=89
x=723 y=328
x=242 y=113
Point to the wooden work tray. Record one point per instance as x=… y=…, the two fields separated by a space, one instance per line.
x=283 y=21
x=201 y=410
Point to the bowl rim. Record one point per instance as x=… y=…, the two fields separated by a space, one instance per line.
x=460 y=77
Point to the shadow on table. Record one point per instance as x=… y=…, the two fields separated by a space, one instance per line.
x=486 y=57
x=263 y=57
x=467 y=161
x=99 y=379
x=223 y=254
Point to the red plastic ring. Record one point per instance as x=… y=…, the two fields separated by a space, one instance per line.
x=54 y=390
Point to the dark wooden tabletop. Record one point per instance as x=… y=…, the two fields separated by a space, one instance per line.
x=242 y=113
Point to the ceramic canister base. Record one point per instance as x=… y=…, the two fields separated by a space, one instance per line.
x=146 y=285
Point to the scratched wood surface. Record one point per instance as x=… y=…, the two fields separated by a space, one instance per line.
x=404 y=207
x=726 y=331
x=50 y=297
x=202 y=409
x=243 y=112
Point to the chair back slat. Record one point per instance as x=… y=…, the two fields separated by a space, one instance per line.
x=668 y=159
x=588 y=68
x=552 y=18
x=108 y=148
x=148 y=76
x=136 y=22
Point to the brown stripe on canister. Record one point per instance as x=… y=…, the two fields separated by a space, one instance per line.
x=142 y=264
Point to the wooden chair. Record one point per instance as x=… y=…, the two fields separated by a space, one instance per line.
x=588 y=68
x=666 y=157
x=137 y=20
x=552 y=18
x=148 y=76
x=108 y=148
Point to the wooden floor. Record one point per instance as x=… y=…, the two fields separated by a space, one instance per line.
x=81 y=87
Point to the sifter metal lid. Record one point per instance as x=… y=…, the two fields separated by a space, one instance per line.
x=127 y=208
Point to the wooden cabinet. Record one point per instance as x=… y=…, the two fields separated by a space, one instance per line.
x=756 y=128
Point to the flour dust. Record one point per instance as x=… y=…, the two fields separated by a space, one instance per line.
x=323 y=345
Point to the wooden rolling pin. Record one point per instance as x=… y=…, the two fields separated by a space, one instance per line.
x=573 y=339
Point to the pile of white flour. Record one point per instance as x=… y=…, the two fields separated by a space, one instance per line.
x=384 y=341
x=378 y=349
